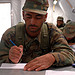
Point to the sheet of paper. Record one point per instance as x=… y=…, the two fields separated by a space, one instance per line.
x=12 y=66
x=51 y=72
x=73 y=47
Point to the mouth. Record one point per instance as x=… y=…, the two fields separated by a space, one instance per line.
x=33 y=26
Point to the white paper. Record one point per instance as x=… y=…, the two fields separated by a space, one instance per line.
x=12 y=66
x=52 y=72
x=73 y=47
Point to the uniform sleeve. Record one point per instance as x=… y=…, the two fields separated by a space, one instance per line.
x=5 y=44
x=61 y=51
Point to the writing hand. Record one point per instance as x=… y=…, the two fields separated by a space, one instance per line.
x=40 y=63
x=15 y=53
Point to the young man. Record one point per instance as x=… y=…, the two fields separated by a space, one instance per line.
x=60 y=22
x=37 y=44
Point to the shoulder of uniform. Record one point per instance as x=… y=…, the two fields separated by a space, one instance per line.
x=52 y=26
x=11 y=29
x=20 y=24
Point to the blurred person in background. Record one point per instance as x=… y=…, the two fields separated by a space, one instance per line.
x=60 y=22
x=69 y=32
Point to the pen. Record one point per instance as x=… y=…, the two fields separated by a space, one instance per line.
x=12 y=42
x=73 y=65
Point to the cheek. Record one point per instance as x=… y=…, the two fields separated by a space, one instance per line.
x=27 y=21
x=40 y=21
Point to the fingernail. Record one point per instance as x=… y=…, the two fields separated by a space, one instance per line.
x=29 y=69
x=24 y=69
x=36 y=69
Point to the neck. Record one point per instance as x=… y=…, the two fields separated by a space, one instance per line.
x=33 y=34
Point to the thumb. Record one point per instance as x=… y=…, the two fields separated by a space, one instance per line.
x=21 y=48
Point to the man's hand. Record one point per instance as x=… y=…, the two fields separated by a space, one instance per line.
x=40 y=63
x=15 y=53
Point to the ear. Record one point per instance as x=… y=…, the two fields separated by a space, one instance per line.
x=23 y=14
x=46 y=16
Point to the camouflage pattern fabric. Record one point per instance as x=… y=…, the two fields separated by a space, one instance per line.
x=37 y=6
x=69 y=30
x=58 y=47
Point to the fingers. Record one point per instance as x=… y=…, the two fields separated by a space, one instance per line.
x=15 y=53
x=21 y=46
x=41 y=68
x=34 y=67
x=21 y=49
x=40 y=63
x=15 y=50
x=31 y=66
x=35 y=64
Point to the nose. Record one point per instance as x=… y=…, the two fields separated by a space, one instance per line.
x=33 y=21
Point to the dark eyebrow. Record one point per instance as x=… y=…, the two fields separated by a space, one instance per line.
x=36 y=15
x=28 y=14
x=39 y=15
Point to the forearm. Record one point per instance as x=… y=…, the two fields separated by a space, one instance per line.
x=63 y=58
x=63 y=54
x=4 y=58
x=61 y=51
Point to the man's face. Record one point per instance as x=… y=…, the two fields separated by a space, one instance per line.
x=59 y=22
x=33 y=21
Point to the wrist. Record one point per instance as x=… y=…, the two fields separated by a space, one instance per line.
x=52 y=58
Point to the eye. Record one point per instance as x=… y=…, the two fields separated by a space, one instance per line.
x=29 y=17
x=39 y=16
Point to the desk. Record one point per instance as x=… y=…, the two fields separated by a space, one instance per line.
x=21 y=72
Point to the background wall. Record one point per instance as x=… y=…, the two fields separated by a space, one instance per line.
x=52 y=17
x=67 y=7
x=15 y=11
x=62 y=8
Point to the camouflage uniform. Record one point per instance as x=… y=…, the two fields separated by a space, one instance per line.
x=57 y=46
x=69 y=31
x=53 y=43
x=62 y=25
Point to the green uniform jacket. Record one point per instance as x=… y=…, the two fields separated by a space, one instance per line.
x=58 y=46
